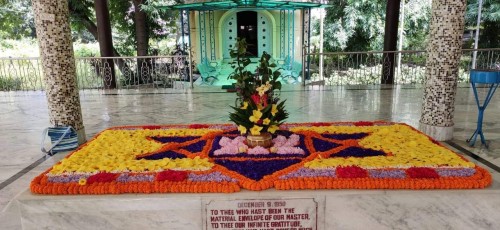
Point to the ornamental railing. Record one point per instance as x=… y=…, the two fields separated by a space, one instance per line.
x=343 y=68
x=100 y=73
x=366 y=68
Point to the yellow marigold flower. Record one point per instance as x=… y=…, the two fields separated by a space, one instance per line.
x=245 y=105
x=261 y=91
x=266 y=121
x=272 y=128
x=242 y=129
x=185 y=164
x=255 y=130
x=256 y=116
x=274 y=109
x=82 y=181
x=263 y=88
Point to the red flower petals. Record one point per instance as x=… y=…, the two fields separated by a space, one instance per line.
x=363 y=123
x=318 y=124
x=198 y=126
x=171 y=175
x=151 y=127
x=258 y=100
x=102 y=177
x=351 y=172
x=416 y=172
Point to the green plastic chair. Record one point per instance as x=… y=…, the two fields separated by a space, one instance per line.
x=207 y=73
x=293 y=73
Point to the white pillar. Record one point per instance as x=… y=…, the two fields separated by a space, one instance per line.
x=401 y=36
x=321 y=27
x=476 y=39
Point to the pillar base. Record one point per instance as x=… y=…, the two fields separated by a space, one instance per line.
x=81 y=136
x=439 y=133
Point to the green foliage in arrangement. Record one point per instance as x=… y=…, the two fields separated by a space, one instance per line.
x=260 y=109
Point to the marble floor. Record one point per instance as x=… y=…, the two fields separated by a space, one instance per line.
x=24 y=115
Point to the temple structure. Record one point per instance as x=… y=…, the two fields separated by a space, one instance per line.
x=280 y=28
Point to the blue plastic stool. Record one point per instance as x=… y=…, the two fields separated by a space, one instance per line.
x=492 y=78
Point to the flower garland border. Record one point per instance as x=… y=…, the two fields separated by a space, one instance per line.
x=481 y=179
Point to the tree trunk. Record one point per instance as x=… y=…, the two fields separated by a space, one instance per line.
x=390 y=40
x=141 y=28
x=92 y=28
x=142 y=40
x=105 y=41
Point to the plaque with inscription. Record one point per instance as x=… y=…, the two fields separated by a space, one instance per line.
x=262 y=214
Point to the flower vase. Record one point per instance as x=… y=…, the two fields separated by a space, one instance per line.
x=264 y=140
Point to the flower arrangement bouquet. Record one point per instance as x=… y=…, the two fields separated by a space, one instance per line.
x=258 y=108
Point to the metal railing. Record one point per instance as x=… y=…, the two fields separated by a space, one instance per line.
x=343 y=68
x=366 y=68
x=97 y=73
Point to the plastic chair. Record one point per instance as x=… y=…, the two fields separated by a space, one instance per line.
x=293 y=73
x=207 y=73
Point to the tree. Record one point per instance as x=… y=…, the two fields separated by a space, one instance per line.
x=489 y=36
x=139 y=21
x=81 y=16
x=105 y=39
x=16 y=19
x=416 y=24
x=133 y=24
x=358 y=25
x=128 y=17
x=354 y=25
x=141 y=28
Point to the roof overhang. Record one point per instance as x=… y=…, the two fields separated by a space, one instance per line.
x=251 y=4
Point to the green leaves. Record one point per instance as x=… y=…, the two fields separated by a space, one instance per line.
x=489 y=35
x=241 y=116
x=16 y=19
x=358 y=25
x=248 y=82
x=277 y=85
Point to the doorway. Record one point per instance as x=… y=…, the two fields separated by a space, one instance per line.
x=247 y=28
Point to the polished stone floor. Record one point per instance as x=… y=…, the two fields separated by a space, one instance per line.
x=23 y=116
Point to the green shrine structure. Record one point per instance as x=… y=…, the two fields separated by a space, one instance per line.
x=280 y=28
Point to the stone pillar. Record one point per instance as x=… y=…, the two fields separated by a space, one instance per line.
x=443 y=56
x=56 y=51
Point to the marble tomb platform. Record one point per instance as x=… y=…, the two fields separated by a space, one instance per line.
x=24 y=115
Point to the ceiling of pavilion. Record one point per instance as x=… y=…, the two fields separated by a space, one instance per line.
x=259 y=4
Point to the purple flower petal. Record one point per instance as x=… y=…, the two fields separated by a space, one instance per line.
x=382 y=173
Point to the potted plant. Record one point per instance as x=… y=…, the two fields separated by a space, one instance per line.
x=259 y=111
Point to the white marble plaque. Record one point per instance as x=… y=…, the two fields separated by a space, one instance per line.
x=262 y=214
